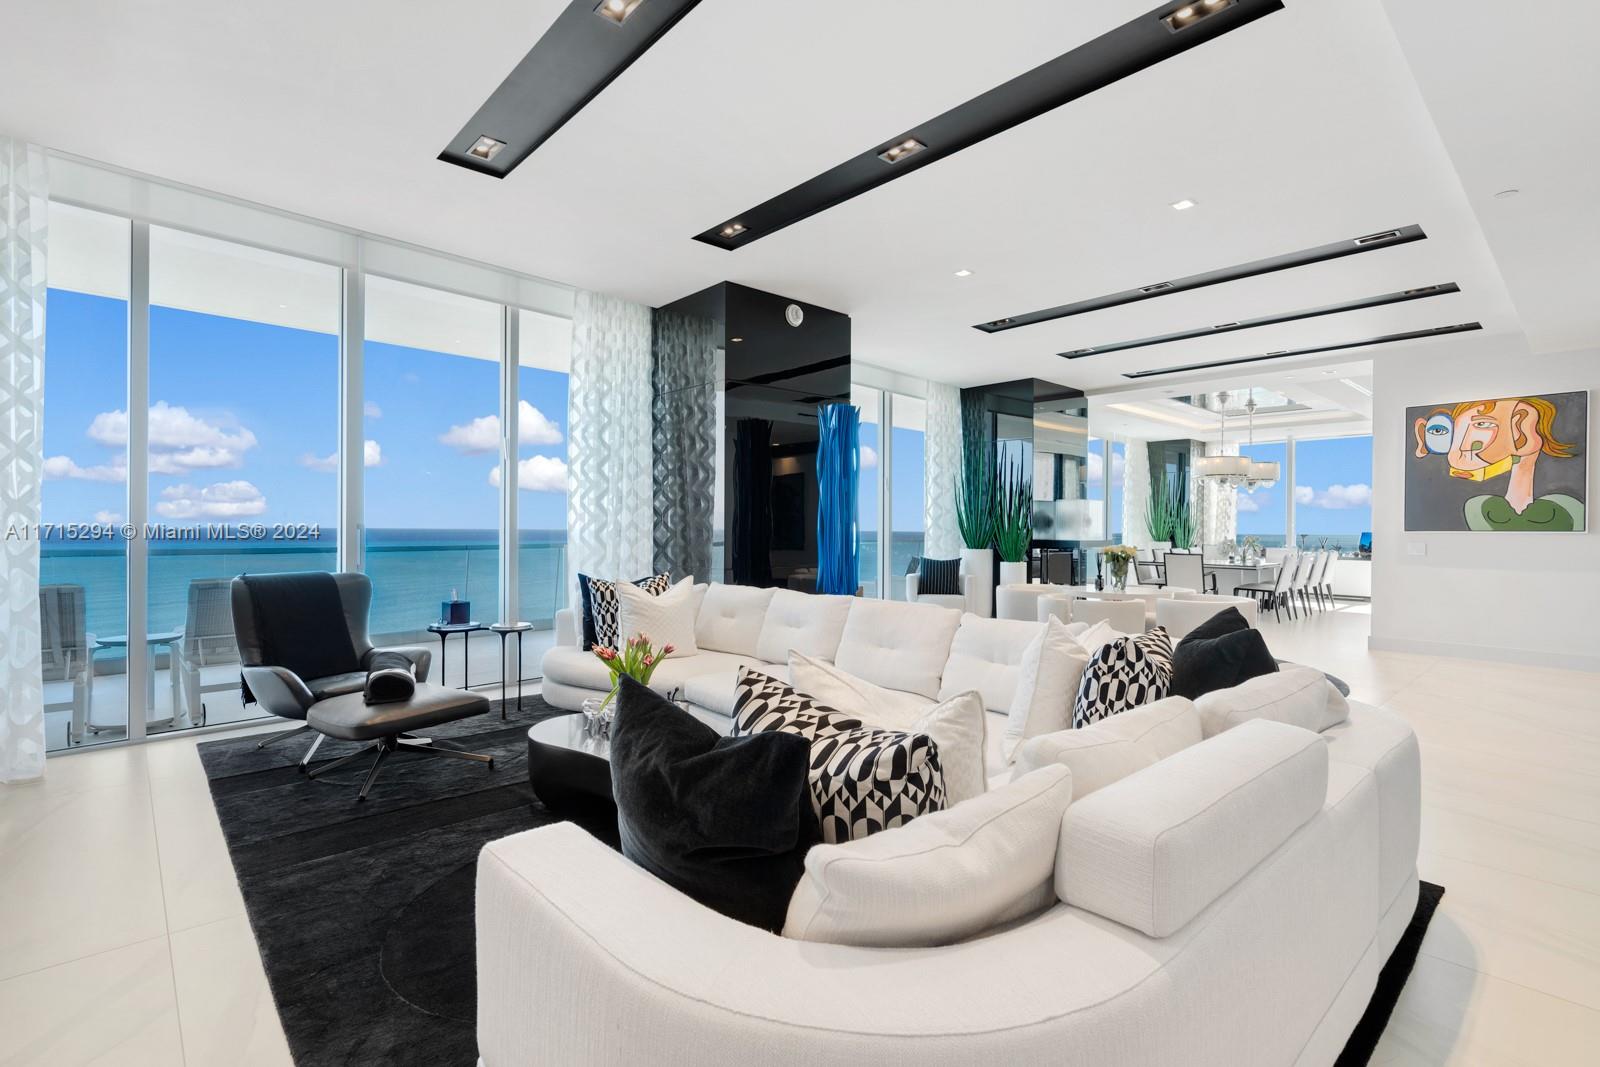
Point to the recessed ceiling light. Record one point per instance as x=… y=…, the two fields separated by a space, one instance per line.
x=485 y=148
x=1506 y=194
x=896 y=152
x=963 y=273
x=617 y=11
x=1182 y=205
x=1191 y=13
x=736 y=340
x=283 y=305
x=732 y=229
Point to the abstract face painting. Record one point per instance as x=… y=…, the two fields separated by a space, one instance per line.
x=1513 y=463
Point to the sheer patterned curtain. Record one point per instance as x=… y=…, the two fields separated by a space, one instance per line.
x=609 y=513
x=1218 y=518
x=941 y=460
x=1136 y=494
x=23 y=212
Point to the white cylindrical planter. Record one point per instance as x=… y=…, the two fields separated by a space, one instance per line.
x=979 y=562
x=1014 y=573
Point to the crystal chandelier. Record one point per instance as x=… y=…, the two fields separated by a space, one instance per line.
x=1237 y=472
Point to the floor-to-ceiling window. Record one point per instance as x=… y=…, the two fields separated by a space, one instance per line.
x=1264 y=513
x=83 y=592
x=242 y=440
x=869 y=486
x=1332 y=492
x=544 y=357
x=908 y=417
x=432 y=489
x=1114 y=532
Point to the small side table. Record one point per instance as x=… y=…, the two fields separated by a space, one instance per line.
x=466 y=630
x=504 y=629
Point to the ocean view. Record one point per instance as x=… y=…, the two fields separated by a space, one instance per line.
x=412 y=571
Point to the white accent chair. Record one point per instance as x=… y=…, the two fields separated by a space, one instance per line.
x=1021 y=602
x=1187 y=611
x=944 y=600
x=1125 y=616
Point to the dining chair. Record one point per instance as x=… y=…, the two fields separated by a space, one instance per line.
x=1300 y=589
x=1187 y=570
x=1275 y=592
x=1326 y=578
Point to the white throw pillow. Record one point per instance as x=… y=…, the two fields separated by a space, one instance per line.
x=1093 y=637
x=956 y=725
x=730 y=618
x=1299 y=696
x=1111 y=749
x=1052 y=665
x=940 y=878
x=667 y=619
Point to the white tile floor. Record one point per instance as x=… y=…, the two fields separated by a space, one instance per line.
x=137 y=949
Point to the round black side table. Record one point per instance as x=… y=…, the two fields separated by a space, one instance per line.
x=466 y=630
x=504 y=629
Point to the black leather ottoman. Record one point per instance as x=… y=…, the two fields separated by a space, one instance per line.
x=388 y=727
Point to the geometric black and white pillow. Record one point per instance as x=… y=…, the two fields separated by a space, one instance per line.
x=600 y=607
x=762 y=702
x=867 y=780
x=862 y=779
x=1125 y=673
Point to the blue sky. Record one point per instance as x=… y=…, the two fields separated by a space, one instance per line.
x=244 y=425
x=1333 y=492
x=906 y=487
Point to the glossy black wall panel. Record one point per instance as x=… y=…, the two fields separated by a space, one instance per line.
x=768 y=385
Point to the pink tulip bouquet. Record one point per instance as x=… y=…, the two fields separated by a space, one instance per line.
x=638 y=660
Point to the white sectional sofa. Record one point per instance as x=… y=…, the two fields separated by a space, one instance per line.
x=1229 y=904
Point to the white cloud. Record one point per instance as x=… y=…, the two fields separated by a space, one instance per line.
x=371 y=456
x=1097 y=466
x=537 y=474
x=869 y=457
x=1335 y=497
x=1248 y=504
x=66 y=467
x=482 y=434
x=107 y=518
x=220 y=500
x=179 y=441
x=534 y=428
x=372 y=410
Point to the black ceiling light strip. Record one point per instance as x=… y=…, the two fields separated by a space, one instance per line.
x=1388 y=338
x=1147 y=40
x=1269 y=320
x=1321 y=254
x=582 y=52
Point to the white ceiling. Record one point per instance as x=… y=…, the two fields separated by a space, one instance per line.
x=1301 y=129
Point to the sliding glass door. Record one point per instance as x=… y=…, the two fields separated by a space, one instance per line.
x=544 y=357
x=83 y=589
x=432 y=463
x=242 y=436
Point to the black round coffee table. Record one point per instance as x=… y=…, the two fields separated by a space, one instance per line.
x=570 y=771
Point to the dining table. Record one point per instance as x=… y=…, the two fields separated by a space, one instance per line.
x=1232 y=574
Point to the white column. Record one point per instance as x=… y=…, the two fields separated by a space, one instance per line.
x=510 y=435
x=138 y=477
x=1135 y=493
x=941 y=458
x=1288 y=498
x=352 y=420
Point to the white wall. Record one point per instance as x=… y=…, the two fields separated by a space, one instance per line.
x=1520 y=597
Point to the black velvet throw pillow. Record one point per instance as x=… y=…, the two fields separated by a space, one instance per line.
x=724 y=820
x=1220 y=653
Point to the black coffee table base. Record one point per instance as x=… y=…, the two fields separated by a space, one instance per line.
x=575 y=786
